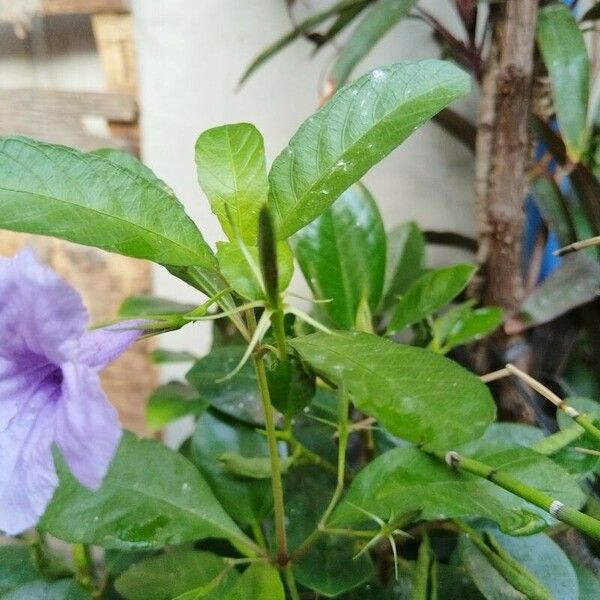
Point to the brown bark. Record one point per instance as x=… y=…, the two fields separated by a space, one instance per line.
x=502 y=157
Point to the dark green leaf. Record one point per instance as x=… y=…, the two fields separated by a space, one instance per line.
x=237 y=397
x=172 y=401
x=575 y=282
x=242 y=270
x=151 y=496
x=247 y=500
x=169 y=575
x=429 y=293
x=141 y=306
x=16 y=567
x=328 y=567
x=342 y=255
x=562 y=45
x=384 y=15
x=298 y=31
x=267 y=254
x=233 y=174
x=259 y=580
x=84 y=198
x=406 y=479
x=537 y=554
x=414 y=393
x=405 y=260
x=361 y=125
x=291 y=387
x=66 y=589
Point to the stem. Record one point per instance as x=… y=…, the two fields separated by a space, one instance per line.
x=263 y=387
x=341 y=477
x=258 y=534
x=82 y=561
x=291 y=583
x=279 y=333
x=557 y=509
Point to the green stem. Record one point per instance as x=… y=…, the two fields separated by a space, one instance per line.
x=343 y=431
x=258 y=534
x=263 y=387
x=557 y=509
x=279 y=333
x=291 y=583
x=84 y=571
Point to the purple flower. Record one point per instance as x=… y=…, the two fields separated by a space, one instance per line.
x=50 y=391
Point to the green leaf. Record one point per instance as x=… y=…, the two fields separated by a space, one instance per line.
x=575 y=282
x=141 y=306
x=17 y=567
x=233 y=174
x=300 y=29
x=342 y=255
x=429 y=293
x=537 y=554
x=236 y=397
x=553 y=207
x=242 y=270
x=251 y=467
x=172 y=401
x=248 y=501
x=169 y=575
x=84 y=198
x=415 y=394
x=361 y=125
x=150 y=497
x=589 y=584
x=291 y=387
x=383 y=15
x=329 y=566
x=162 y=356
x=259 y=580
x=66 y=589
x=407 y=479
x=405 y=260
x=564 y=51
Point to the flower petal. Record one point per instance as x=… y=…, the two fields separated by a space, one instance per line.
x=27 y=474
x=40 y=312
x=87 y=426
x=98 y=347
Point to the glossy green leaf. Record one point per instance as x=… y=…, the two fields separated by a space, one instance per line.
x=361 y=125
x=242 y=270
x=542 y=558
x=575 y=282
x=381 y=17
x=429 y=293
x=329 y=566
x=236 y=397
x=233 y=174
x=405 y=260
x=553 y=207
x=151 y=496
x=342 y=255
x=562 y=45
x=259 y=580
x=170 y=575
x=67 y=589
x=406 y=479
x=84 y=198
x=413 y=393
x=141 y=306
x=291 y=387
x=17 y=567
x=246 y=500
x=172 y=401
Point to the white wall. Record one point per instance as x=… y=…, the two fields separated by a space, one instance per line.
x=192 y=53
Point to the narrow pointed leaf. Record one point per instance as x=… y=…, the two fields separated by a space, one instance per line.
x=415 y=394
x=361 y=125
x=342 y=255
x=383 y=15
x=85 y=198
x=233 y=174
x=562 y=45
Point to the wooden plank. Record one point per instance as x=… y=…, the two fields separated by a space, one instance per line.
x=66 y=7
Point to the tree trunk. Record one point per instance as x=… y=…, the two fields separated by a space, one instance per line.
x=502 y=156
